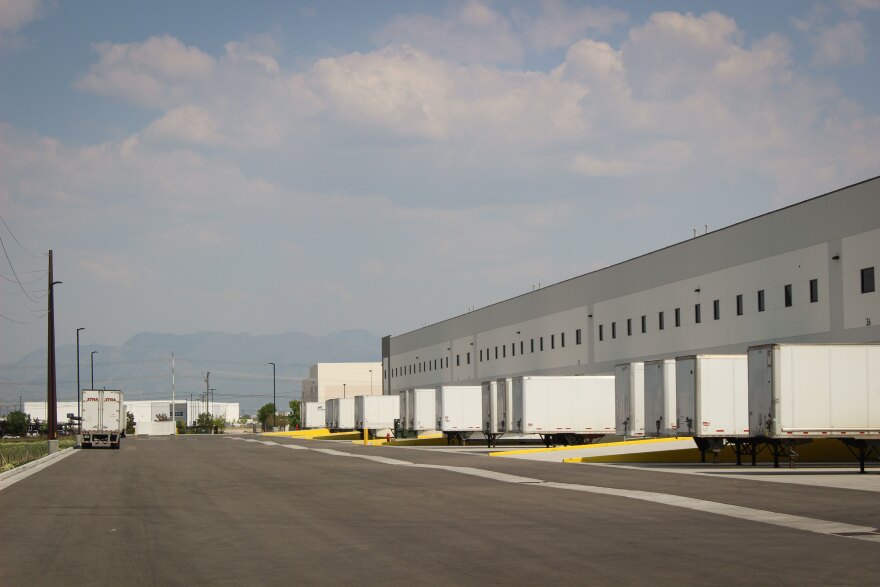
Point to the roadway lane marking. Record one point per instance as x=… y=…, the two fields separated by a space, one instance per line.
x=24 y=471
x=814 y=525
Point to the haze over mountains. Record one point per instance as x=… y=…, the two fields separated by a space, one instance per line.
x=238 y=363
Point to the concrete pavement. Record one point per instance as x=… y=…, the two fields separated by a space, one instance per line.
x=213 y=510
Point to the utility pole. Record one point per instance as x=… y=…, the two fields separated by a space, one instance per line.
x=78 y=386
x=207 y=385
x=173 y=405
x=52 y=406
x=93 y=368
x=274 y=405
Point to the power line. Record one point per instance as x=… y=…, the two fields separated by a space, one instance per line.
x=17 y=280
x=34 y=321
x=17 y=241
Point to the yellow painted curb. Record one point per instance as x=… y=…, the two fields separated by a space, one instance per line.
x=298 y=433
x=433 y=440
x=644 y=441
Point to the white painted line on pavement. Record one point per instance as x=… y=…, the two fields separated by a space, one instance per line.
x=24 y=471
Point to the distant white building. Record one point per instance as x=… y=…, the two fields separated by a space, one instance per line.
x=331 y=380
x=145 y=410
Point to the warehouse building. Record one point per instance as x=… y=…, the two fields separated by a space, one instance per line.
x=804 y=273
x=332 y=380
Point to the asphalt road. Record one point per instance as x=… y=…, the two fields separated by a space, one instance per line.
x=220 y=511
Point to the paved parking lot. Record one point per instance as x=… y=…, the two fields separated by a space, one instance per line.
x=221 y=510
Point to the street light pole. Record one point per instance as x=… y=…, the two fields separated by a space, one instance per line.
x=51 y=403
x=274 y=405
x=343 y=391
x=78 y=387
x=93 y=367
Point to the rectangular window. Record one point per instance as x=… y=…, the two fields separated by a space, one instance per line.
x=697 y=314
x=552 y=341
x=814 y=291
x=458 y=360
x=677 y=317
x=601 y=336
x=562 y=340
x=504 y=351
x=614 y=330
x=513 y=349
x=435 y=364
x=739 y=304
x=660 y=320
x=760 y=300
x=867 y=280
x=521 y=347
x=644 y=324
x=788 y=296
x=629 y=326
x=496 y=352
x=469 y=358
x=532 y=345
x=716 y=309
x=541 y=344
x=481 y=355
x=577 y=336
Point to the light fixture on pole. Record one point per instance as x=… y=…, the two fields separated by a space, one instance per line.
x=92 y=359
x=78 y=387
x=371 y=382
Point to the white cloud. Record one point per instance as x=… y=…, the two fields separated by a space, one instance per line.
x=474 y=33
x=854 y=7
x=661 y=158
x=187 y=124
x=15 y=15
x=841 y=44
x=558 y=25
x=110 y=269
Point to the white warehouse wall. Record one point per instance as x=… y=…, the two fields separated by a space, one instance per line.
x=791 y=246
x=332 y=380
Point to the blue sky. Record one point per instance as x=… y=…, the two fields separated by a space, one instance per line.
x=271 y=166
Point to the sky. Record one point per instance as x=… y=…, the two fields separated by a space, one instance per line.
x=265 y=167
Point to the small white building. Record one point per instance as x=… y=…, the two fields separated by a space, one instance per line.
x=146 y=410
x=332 y=380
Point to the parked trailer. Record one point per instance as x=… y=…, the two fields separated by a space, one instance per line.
x=629 y=399
x=712 y=395
x=805 y=391
x=564 y=410
x=458 y=411
x=403 y=420
x=506 y=423
x=103 y=418
x=660 y=411
x=340 y=413
x=314 y=415
x=375 y=412
x=420 y=410
x=490 y=411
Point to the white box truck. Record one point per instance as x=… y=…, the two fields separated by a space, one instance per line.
x=313 y=415
x=629 y=399
x=564 y=410
x=459 y=410
x=103 y=418
x=376 y=412
x=660 y=415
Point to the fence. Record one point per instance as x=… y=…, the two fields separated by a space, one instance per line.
x=19 y=453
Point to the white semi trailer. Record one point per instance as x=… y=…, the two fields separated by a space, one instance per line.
x=563 y=410
x=375 y=413
x=805 y=391
x=340 y=413
x=103 y=418
x=314 y=415
x=490 y=411
x=712 y=398
x=629 y=399
x=660 y=411
x=419 y=405
x=458 y=411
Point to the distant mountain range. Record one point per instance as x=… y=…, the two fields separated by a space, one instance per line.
x=142 y=366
